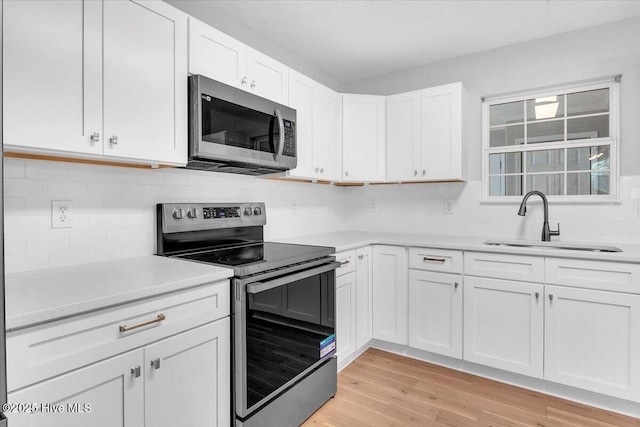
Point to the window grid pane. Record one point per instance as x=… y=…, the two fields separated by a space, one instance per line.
x=573 y=118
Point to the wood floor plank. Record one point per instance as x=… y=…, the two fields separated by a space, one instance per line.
x=381 y=389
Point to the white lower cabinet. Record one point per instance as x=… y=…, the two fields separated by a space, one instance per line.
x=182 y=380
x=390 y=289
x=503 y=324
x=435 y=312
x=592 y=340
x=345 y=316
x=108 y=392
x=364 y=294
x=353 y=302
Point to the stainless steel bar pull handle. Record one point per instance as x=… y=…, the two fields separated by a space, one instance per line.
x=430 y=259
x=159 y=318
x=345 y=262
x=135 y=372
x=114 y=140
x=155 y=363
x=95 y=137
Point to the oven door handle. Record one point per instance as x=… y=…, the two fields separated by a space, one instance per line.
x=257 y=287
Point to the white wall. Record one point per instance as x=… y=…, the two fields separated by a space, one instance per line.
x=585 y=54
x=605 y=50
x=419 y=208
x=114 y=208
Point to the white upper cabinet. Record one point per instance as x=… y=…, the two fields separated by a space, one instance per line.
x=52 y=88
x=363 y=149
x=424 y=134
x=214 y=54
x=318 y=118
x=441 y=141
x=55 y=77
x=403 y=137
x=145 y=79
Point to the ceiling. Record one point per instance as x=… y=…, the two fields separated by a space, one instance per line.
x=352 y=40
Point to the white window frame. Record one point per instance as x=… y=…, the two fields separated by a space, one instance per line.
x=612 y=141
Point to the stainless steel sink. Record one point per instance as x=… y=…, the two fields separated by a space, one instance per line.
x=554 y=245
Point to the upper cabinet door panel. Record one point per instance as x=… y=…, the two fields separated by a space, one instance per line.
x=403 y=137
x=214 y=54
x=145 y=80
x=442 y=132
x=301 y=93
x=363 y=138
x=327 y=133
x=267 y=77
x=51 y=75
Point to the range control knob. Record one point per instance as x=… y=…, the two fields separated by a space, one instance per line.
x=247 y=212
x=257 y=210
x=192 y=213
x=178 y=213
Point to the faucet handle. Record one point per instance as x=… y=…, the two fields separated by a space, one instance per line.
x=555 y=232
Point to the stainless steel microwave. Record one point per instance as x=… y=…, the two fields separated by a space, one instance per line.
x=231 y=130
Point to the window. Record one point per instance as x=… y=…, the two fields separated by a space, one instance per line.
x=563 y=142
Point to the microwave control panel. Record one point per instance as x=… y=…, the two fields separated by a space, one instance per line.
x=289 y=139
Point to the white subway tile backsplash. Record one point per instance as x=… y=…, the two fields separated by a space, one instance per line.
x=15 y=244
x=14 y=168
x=25 y=188
x=15 y=206
x=57 y=171
x=60 y=258
x=48 y=242
x=114 y=210
x=17 y=263
x=85 y=239
x=151 y=176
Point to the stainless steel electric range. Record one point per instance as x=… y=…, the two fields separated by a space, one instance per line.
x=283 y=308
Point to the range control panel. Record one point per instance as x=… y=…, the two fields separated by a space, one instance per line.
x=177 y=217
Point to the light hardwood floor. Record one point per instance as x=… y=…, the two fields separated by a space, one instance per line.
x=384 y=389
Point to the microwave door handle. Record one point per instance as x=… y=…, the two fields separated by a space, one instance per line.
x=257 y=287
x=280 y=148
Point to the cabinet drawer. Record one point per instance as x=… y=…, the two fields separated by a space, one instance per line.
x=347 y=260
x=500 y=266
x=439 y=260
x=608 y=276
x=43 y=351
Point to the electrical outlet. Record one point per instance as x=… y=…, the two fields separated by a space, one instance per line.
x=294 y=207
x=448 y=206
x=372 y=205
x=61 y=214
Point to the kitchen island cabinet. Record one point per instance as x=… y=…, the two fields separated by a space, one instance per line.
x=105 y=87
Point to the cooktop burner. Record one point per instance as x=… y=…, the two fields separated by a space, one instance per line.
x=257 y=257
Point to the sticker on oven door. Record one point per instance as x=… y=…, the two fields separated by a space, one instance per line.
x=327 y=345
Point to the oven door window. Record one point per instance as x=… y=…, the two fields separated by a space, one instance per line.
x=229 y=124
x=290 y=330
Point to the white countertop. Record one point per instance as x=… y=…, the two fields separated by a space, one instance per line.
x=345 y=240
x=45 y=295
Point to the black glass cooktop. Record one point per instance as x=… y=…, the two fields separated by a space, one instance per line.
x=258 y=257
